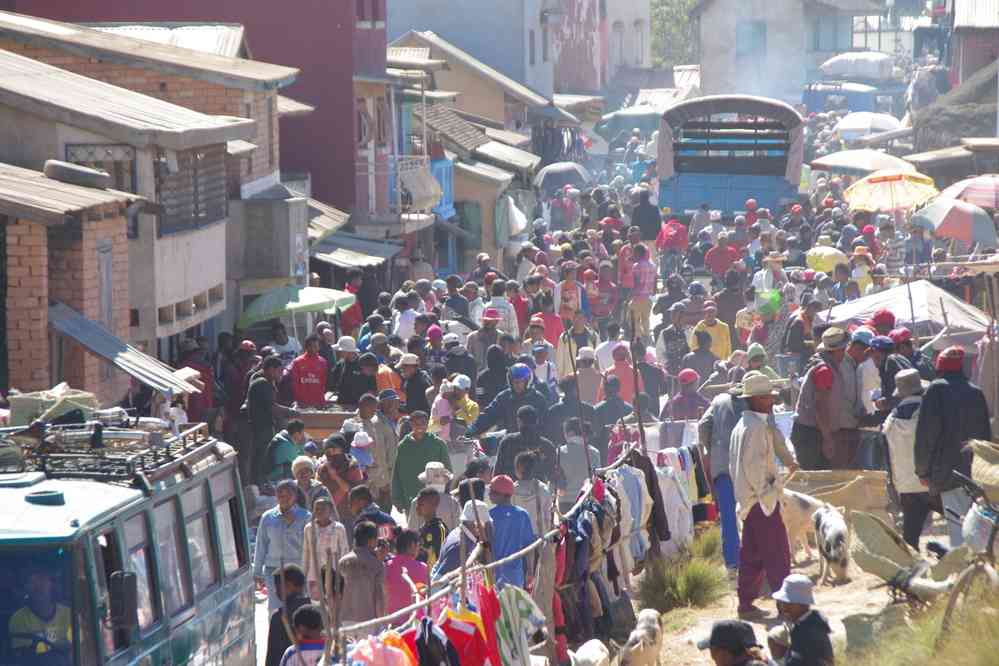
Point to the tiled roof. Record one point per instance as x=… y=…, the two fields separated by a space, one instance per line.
x=454 y=130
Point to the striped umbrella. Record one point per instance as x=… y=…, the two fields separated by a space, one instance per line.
x=950 y=218
x=890 y=190
x=982 y=191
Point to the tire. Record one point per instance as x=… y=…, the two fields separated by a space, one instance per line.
x=74 y=174
x=962 y=588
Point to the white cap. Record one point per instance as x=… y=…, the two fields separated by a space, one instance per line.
x=350 y=426
x=586 y=354
x=362 y=440
x=462 y=382
x=346 y=344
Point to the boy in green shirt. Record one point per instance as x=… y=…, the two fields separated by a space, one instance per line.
x=415 y=450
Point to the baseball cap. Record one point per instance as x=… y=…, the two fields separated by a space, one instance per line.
x=863 y=335
x=900 y=335
x=688 y=376
x=502 y=484
x=388 y=394
x=882 y=343
x=451 y=339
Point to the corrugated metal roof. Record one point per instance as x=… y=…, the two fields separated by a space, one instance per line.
x=413 y=57
x=31 y=195
x=434 y=95
x=661 y=98
x=117 y=113
x=513 y=88
x=324 y=220
x=238 y=147
x=939 y=156
x=288 y=107
x=508 y=156
x=515 y=139
x=452 y=128
x=976 y=14
x=105 y=344
x=349 y=251
x=236 y=72
x=486 y=172
x=224 y=39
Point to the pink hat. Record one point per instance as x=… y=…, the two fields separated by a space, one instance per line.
x=491 y=314
x=688 y=376
x=435 y=332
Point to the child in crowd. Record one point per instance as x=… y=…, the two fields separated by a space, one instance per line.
x=433 y=530
x=307 y=623
x=325 y=542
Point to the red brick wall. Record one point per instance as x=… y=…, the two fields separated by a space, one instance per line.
x=74 y=280
x=196 y=94
x=27 y=319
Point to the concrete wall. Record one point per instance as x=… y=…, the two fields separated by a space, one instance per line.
x=467 y=188
x=500 y=41
x=631 y=46
x=541 y=75
x=579 y=56
x=779 y=73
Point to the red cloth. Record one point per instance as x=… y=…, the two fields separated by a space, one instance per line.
x=523 y=309
x=606 y=300
x=468 y=641
x=198 y=404
x=561 y=644
x=720 y=259
x=553 y=328
x=823 y=376
x=626 y=375
x=672 y=236
x=351 y=318
x=489 y=611
x=308 y=380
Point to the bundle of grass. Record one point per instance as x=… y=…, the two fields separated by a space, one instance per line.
x=683 y=582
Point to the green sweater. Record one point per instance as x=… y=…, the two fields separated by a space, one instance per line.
x=411 y=460
x=281 y=452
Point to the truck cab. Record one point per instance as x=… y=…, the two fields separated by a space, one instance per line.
x=135 y=554
x=853 y=96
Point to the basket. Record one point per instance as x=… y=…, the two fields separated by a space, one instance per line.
x=977 y=529
x=985 y=466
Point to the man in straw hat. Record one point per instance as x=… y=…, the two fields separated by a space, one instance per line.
x=435 y=476
x=771 y=276
x=954 y=411
x=900 y=431
x=756 y=482
x=819 y=410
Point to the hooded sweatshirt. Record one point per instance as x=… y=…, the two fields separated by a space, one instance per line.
x=492 y=380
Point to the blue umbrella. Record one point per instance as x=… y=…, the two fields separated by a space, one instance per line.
x=958 y=220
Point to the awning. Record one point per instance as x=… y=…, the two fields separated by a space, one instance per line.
x=288 y=107
x=148 y=370
x=324 y=220
x=349 y=251
x=508 y=157
x=239 y=147
x=423 y=187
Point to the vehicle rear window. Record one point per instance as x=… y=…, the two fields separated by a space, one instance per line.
x=173 y=570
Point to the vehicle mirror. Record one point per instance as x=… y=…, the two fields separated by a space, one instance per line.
x=123 y=591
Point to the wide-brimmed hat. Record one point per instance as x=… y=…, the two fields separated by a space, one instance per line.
x=409 y=359
x=435 y=474
x=346 y=344
x=862 y=252
x=908 y=382
x=775 y=257
x=833 y=338
x=796 y=589
x=754 y=384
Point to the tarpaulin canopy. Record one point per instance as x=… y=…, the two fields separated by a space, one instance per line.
x=148 y=370
x=863 y=161
x=293 y=299
x=932 y=305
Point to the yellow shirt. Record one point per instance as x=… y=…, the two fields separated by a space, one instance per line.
x=721 y=338
x=57 y=631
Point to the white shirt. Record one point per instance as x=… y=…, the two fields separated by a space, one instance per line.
x=901 y=436
x=605 y=354
x=405 y=324
x=288 y=351
x=869 y=380
x=753 y=463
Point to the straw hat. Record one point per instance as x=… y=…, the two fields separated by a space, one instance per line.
x=775 y=256
x=833 y=338
x=862 y=252
x=754 y=384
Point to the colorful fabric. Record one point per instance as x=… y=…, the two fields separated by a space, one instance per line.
x=373 y=651
x=467 y=638
x=645 y=275
x=519 y=619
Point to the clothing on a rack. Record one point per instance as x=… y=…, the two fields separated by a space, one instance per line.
x=520 y=618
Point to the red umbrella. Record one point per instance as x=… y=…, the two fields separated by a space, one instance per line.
x=982 y=191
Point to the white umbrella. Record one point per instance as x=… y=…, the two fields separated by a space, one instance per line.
x=863 y=123
x=862 y=161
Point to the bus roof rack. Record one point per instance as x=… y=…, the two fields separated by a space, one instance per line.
x=137 y=463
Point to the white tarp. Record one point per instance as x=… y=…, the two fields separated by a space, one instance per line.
x=932 y=306
x=870 y=65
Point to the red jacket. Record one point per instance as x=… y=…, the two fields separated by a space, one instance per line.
x=308 y=380
x=673 y=236
x=352 y=318
x=719 y=259
x=198 y=404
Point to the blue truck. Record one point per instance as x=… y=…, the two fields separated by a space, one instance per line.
x=724 y=149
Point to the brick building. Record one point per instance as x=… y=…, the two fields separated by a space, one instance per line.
x=62 y=243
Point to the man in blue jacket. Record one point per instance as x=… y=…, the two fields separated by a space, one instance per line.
x=502 y=411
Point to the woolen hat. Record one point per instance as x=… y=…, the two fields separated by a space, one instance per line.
x=688 y=376
x=900 y=335
x=735 y=636
x=796 y=589
x=491 y=314
x=502 y=484
x=950 y=359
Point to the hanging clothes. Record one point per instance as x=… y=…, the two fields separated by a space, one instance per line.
x=660 y=527
x=372 y=651
x=679 y=512
x=520 y=618
x=465 y=632
x=489 y=609
x=432 y=646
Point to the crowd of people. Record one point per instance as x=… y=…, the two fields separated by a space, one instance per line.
x=480 y=403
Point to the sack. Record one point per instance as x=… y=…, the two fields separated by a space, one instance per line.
x=622 y=618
